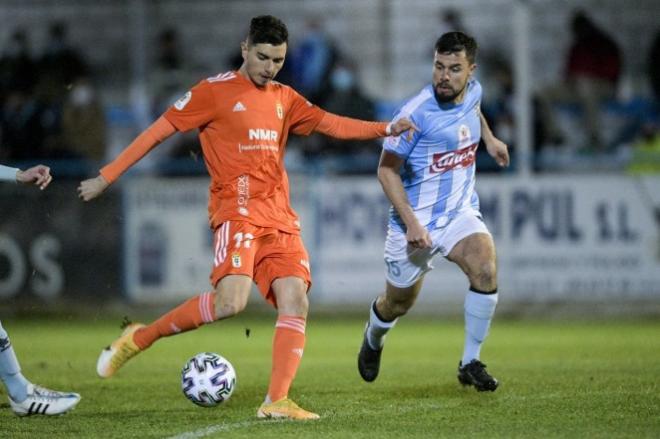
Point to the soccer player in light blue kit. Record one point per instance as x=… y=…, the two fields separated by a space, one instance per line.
x=430 y=181
x=26 y=398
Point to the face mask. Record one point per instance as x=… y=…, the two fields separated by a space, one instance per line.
x=342 y=79
x=82 y=95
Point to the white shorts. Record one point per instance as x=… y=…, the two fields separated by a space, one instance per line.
x=405 y=264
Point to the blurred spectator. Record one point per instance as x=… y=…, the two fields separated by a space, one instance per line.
x=169 y=77
x=169 y=80
x=654 y=67
x=645 y=158
x=83 y=122
x=17 y=67
x=345 y=97
x=450 y=20
x=498 y=109
x=60 y=65
x=49 y=109
x=312 y=61
x=592 y=70
x=21 y=129
x=421 y=49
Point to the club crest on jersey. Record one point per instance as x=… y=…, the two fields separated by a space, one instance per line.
x=459 y=159
x=183 y=101
x=236 y=260
x=463 y=134
x=392 y=141
x=279 y=109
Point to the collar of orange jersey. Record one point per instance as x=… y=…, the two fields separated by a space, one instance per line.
x=247 y=80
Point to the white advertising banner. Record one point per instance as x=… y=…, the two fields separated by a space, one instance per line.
x=560 y=238
x=571 y=237
x=167 y=239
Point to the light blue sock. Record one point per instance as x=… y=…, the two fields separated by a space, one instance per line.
x=10 y=370
x=479 y=310
x=377 y=329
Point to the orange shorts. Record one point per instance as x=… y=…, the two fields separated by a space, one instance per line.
x=262 y=253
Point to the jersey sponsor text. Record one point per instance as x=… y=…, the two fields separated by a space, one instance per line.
x=243 y=189
x=262 y=134
x=459 y=159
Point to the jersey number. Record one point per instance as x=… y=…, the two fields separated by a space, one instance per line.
x=393 y=268
x=243 y=238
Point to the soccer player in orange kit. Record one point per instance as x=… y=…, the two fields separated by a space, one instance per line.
x=244 y=119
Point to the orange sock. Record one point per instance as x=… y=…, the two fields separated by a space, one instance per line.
x=288 y=345
x=189 y=315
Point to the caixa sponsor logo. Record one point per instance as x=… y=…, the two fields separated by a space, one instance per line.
x=459 y=159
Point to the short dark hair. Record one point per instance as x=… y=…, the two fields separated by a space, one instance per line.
x=453 y=42
x=268 y=29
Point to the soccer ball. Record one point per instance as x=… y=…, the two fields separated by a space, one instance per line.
x=208 y=379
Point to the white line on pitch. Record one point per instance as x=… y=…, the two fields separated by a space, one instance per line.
x=206 y=431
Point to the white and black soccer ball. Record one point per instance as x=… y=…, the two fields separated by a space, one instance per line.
x=208 y=379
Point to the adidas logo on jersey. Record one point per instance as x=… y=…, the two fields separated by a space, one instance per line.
x=239 y=107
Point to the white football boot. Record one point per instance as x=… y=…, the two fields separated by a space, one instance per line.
x=42 y=401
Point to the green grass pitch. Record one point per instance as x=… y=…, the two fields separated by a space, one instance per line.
x=558 y=379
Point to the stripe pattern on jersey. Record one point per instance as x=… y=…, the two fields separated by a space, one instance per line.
x=438 y=173
x=221 y=243
x=222 y=77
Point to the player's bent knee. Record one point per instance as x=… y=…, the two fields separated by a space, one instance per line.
x=484 y=277
x=291 y=297
x=397 y=308
x=228 y=308
x=294 y=305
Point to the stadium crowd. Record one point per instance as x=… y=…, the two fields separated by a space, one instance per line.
x=51 y=106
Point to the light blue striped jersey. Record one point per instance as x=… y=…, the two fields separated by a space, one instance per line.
x=438 y=172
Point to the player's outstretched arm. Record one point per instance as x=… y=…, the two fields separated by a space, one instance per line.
x=145 y=142
x=346 y=128
x=39 y=175
x=495 y=147
x=390 y=179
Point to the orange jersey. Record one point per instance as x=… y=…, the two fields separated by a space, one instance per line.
x=243 y=130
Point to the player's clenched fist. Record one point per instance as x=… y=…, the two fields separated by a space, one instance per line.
x=39 y=175
x=418 y=237
x=92 y=188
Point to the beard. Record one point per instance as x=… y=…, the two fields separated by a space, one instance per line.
x=446 y=98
